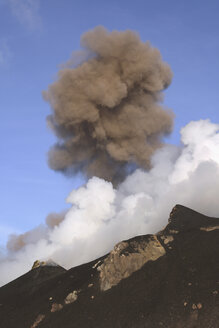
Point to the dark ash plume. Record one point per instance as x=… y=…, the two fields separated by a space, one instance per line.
x=106 y=110
x=18 y=241
x=54 y=219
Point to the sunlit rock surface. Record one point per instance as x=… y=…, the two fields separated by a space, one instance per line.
x=169 y=280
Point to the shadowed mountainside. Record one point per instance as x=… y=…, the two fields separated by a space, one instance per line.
x=169 y=280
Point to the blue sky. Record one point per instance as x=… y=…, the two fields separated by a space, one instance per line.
x=37 y=36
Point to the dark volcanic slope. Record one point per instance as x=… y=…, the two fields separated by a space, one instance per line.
x=168 y=280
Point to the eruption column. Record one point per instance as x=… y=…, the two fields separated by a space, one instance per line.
x=106 y=112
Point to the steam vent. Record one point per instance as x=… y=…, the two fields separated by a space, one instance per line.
x=169 y=280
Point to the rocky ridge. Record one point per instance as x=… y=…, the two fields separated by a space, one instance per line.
x=170 y=280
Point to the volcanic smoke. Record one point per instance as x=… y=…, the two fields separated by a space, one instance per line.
x=106 y=110
x=106 y=114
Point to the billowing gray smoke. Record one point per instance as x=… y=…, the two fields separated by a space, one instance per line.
x=106 y=114
x=106 y=110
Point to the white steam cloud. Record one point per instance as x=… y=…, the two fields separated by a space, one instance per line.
x=100 y=215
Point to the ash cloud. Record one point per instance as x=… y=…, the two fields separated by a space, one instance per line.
x=54 y=219
x=107 y=114
x=100 y=215
x=17 y=242
x=106 y=111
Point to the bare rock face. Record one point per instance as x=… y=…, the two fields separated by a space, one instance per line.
x=39 y=318
x=48 y=263
x=56 y=307
x=167 y=280
x=71 y=297
x=128 y=257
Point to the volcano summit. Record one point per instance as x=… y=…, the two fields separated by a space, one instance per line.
x=169 y=280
